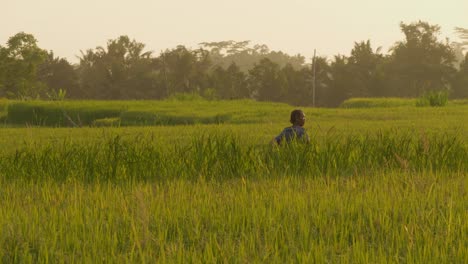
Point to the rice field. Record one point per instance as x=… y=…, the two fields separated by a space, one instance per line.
x=376 y=185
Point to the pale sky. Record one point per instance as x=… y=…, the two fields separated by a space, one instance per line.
x=292 y=26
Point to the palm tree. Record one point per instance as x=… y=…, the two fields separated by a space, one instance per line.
x=463 y=34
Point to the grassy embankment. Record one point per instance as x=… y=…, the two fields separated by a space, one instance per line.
x=378 y=185
x=173 y=112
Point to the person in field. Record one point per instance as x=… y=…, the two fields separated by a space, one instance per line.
x=294 y=132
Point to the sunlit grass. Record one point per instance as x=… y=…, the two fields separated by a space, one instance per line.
x=220 y=156
x=170 y=112
x=389 y=217
x=375 y=186
x=149 y=113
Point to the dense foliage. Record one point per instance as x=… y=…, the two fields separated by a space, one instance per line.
x=122 y=70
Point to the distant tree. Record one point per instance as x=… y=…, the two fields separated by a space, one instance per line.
x=181 y=70
x=93 y=74
x=297 y=85
x=58 y=74
x=267 y=82
x=230 y=83
x=120 y=71
x=363 y=65
x=323 y=82
x=283 y=59
x=20 y=60
x=460 y=83
x=3 y=68
x=458 y=51
x=224 y=53
x=421 y=62
x=358 y=75
x=460 y=47
x=340 y=78
x=463 y=34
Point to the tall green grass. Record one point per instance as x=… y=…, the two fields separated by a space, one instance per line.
x=61 y=113
x=379 y=186
x=433 y=98
x=169 y=112
x=220 y=157
x=390 y=217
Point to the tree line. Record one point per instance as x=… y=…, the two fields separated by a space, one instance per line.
x=233 y=70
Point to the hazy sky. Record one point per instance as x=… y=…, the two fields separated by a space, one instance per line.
x=292 y=26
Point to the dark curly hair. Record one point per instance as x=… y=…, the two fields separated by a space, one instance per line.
x=295 y=114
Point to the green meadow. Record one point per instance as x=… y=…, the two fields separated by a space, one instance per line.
x=181 y=181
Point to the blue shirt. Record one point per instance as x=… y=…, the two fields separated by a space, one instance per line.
x=293 y=132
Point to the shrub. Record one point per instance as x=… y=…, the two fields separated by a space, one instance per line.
x=57 y=95
x=210 y=94
x=433 y=98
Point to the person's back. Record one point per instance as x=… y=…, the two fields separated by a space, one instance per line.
x=296 y=131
